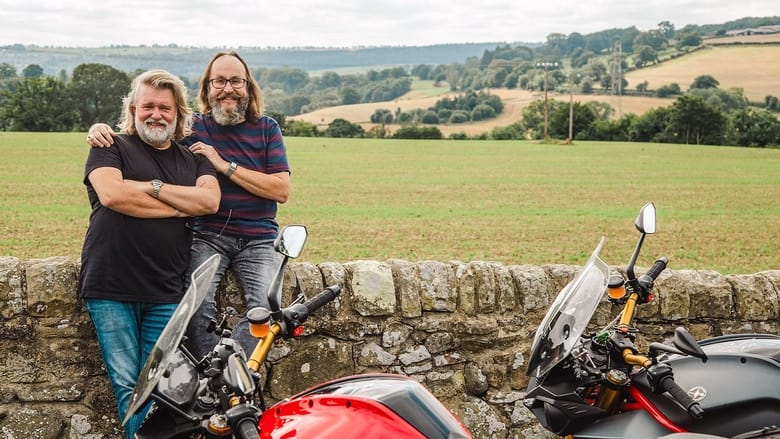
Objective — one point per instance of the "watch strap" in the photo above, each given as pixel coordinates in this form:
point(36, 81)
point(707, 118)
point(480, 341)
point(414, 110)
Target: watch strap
point(231, 169)
point(156, 186)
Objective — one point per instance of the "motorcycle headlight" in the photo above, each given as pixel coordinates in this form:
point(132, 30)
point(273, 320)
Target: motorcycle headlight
point(180, 380)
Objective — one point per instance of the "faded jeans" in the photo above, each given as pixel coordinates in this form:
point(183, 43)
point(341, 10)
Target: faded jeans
point(126, 333)
point(254, 262)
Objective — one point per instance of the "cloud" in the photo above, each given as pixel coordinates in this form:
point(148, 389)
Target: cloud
point(344, 23)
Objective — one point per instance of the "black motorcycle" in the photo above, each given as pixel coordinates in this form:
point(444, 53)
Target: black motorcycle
point(598, 385)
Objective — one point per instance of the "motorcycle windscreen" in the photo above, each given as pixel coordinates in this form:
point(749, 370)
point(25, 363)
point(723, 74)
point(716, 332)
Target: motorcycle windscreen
point(171, 335)
point(568, 316)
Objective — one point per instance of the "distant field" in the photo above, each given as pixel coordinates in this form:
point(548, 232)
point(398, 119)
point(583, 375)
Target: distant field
point(514, 103)
point(744, 39)
point(511, 202)
point(753, 68)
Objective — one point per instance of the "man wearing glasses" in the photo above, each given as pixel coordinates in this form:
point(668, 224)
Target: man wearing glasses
point(248, 152)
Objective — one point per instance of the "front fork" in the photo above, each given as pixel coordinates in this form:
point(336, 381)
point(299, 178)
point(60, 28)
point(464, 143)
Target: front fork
point(616, 380)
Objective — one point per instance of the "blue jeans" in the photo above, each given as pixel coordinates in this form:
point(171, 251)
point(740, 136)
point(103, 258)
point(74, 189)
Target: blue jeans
point(254, 262)
point(126, 333)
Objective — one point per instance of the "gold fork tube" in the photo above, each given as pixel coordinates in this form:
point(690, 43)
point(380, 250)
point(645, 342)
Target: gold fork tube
point(263, 347)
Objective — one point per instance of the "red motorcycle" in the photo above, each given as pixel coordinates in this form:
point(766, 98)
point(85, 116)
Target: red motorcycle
point(220, 395)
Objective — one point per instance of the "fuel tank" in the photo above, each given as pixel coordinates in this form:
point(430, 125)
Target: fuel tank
point(362, 406)
point(738, 386)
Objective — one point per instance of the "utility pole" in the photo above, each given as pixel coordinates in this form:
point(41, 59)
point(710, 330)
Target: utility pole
point(571, 106)
point(546, 66)
point(617, 74)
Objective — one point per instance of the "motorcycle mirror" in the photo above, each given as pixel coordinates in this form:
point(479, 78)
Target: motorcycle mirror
point(645, 221)
point(684, 341)
point(656, 347)
point(237, 375)
point(291, 240)
point(289, 243)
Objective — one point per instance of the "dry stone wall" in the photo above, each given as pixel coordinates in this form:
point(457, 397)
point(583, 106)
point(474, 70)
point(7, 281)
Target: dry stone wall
point(461, 329)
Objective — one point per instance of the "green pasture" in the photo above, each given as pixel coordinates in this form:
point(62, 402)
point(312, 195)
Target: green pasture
point(506, 201)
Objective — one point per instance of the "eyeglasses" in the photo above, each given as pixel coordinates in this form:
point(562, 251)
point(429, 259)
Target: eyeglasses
point(221, 83)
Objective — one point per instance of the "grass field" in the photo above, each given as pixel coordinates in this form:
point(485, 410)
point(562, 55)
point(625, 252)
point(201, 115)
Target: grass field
point(512, 202)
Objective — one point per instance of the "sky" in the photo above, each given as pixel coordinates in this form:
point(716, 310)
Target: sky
point(344, 23)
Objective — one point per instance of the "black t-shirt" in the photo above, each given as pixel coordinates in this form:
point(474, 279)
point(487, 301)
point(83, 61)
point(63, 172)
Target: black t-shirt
point(132, 259)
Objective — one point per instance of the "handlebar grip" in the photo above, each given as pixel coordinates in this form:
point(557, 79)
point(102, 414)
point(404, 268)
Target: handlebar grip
point(657, 268)
point(693, 407)
point(247, 429)
point(326, 296)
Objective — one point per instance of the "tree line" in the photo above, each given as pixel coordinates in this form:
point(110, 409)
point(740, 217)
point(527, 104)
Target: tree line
point(590, 63)
point(702, 115)
point(93, 92)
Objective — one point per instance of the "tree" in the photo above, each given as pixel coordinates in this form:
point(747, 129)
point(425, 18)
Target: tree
point(453, 75)
point(32, 71)
point(344, 128)
point(690, 40)
point(430, 117)
point(582, 117)
point(382, 115)
point(96, 92)
point(645, 55)
point(482, 112)
point(350, 96)
point(650, 126)
point(666, 28)
point(748, 127)
point(459, 116)
point(704, 81)
point(653, 39)
point(330, 79)
point(692, 120)
point(7, 71)
point(724, 100)
point(772, 103)
point(668, 90)
point(422, 71)
point(299, 128)
point(37, 104)
point(288, 79)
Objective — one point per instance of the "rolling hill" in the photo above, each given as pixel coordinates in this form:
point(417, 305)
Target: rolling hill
point(751, 67)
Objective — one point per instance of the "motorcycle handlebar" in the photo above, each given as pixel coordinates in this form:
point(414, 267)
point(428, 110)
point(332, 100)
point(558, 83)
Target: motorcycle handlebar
point(646, 280)
point(693, 407)
point(247, 429)
point(657, 268)
point(326, 296)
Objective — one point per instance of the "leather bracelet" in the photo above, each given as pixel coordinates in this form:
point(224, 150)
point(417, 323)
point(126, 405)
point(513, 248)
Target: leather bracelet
point(231, 169)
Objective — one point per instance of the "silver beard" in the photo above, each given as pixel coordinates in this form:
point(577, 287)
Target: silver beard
point(229, 117)
point(155, 136)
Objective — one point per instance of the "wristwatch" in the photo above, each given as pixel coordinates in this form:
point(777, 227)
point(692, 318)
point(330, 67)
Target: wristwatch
point(231, 169)
point(156, 186)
